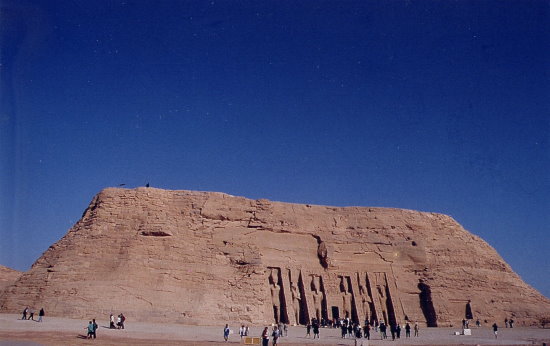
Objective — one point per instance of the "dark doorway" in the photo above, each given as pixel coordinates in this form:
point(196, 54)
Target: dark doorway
point(335, 313)
point(469, 314)
point(427, 305)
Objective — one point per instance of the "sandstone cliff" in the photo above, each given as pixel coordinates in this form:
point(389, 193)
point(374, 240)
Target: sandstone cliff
point(211, 258)
point(7, 277)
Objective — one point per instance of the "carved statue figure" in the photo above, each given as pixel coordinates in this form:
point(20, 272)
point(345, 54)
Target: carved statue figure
point(346, 298)
point(317, 299)
point(275, 297)
point(296, 298)
point(365, 300)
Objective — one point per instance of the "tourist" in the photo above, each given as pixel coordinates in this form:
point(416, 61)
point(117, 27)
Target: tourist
point(275, 334)
point(495, 329)
point(366, 331)
point(308, 330)
point(119, 321)
point(358, 332)
point(398, 331)
point(383, 330)
point(350, 329)
point(478, 324)
point(315, 329)
point(25, 313)
point(90, 329)
point(112, 322)
point(226, 332)
point(416, 328)
point(344, 330)
point(242, 331)
point(285, 329)
point(41, 314)
point(122, 319)
point(376, 326)
point(393, 330)
point(506, 322)
point(31, 314)
point(265, 337)
point(407, 330)
point(511, 323)
point(246, 330)
point(95, 327)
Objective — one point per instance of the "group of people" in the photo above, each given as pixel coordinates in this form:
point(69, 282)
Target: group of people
point(119, 321)
point(28, 314)
point(314, 324)
point(92, 325)
point(92, 328)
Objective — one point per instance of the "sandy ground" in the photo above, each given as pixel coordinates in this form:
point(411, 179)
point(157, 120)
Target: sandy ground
point(64, 331)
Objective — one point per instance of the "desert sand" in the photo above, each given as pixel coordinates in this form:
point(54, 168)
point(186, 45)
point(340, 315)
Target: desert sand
point(65, 331)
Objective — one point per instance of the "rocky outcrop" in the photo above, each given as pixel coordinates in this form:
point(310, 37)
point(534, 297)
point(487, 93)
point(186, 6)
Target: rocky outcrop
point(208, 258)
point(7, 277)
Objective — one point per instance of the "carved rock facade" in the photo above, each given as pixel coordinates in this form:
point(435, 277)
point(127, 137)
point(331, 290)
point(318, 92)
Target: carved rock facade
point(211, 258)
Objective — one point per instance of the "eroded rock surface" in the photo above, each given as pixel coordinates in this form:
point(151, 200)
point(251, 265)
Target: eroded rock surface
point(7, 277)
point(211, 258)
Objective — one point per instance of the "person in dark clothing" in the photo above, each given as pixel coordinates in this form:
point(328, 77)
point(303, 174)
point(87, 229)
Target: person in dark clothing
point(95, 328)
point(350, 329)
point(308, 329)
point(25, 313)
point(398, 331)
point(495, 329)
point(265, 337)
point(366, 331)
point(382, 328)
point(41, 314)
point(358, 332)
point(408, 330)
point(392, 331)
point(315, 329)
point(344, 330)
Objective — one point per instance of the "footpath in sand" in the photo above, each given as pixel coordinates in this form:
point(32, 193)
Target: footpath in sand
point(65, 331)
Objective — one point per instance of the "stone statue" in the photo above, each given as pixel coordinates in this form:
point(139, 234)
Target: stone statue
point(296, 298)
point(275, 297)
point(365, 300)
point(346, 299)
point(317, 299)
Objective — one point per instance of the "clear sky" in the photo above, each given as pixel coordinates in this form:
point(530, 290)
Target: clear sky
point(439, 106)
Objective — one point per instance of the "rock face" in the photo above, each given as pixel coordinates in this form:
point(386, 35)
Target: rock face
point(7, 277)
point(212, 258)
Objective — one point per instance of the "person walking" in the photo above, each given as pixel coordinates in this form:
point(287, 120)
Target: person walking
point(226, 332)
point(316, 329)
point(31, 314)
point(276, 334)
point(41, 314)
point(95, 328)
point(25, 310)
point(90, 329)
point(112, 321)
point(366, 331)
point(495, 329)
point(265, 337)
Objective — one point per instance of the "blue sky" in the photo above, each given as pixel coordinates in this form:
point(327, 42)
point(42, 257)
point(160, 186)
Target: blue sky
point(438, 106)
